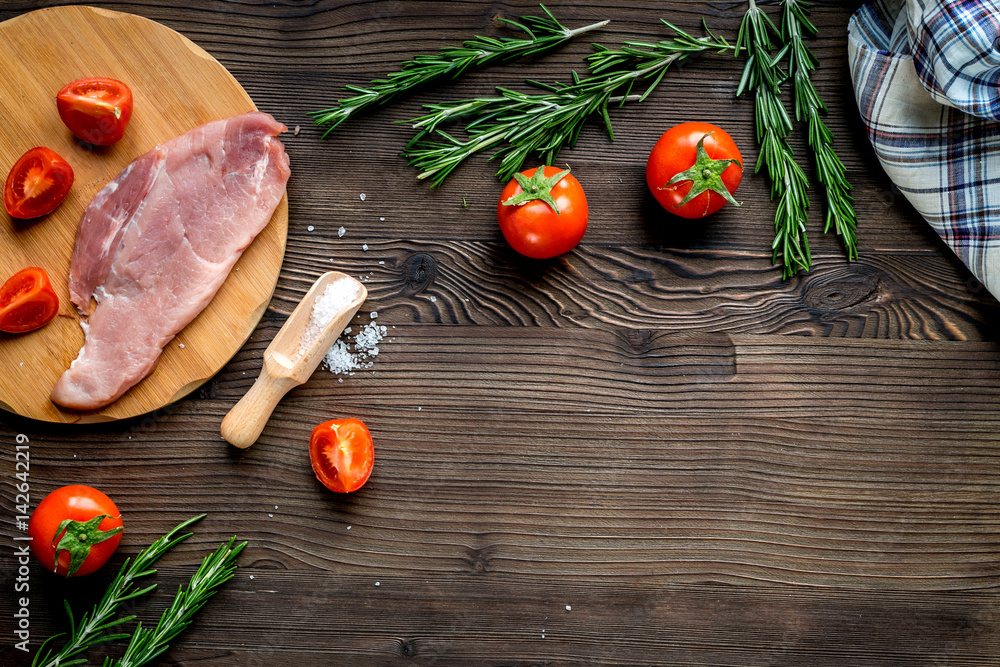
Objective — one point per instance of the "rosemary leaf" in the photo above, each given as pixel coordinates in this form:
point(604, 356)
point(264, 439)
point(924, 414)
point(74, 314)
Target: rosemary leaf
point(543, 33)
point(762, 76)
point(830, 170)
point(518, 125)
point(89, 629)
point(148, 644)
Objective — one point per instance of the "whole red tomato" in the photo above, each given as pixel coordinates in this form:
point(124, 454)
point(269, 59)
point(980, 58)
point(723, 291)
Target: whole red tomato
point(543, 212)
point(97, 109)
point(37, 183)
point(693, 170)
point(69, 522)
point(342, 454)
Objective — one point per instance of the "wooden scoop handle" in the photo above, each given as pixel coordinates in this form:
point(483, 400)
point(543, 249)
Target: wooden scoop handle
point(244, 423)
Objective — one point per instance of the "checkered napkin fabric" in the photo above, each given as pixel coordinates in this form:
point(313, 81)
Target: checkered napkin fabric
point(927, 81)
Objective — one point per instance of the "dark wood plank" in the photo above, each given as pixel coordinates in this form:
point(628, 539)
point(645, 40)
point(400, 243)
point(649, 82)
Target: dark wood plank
point(707, 464)
point(882, 296)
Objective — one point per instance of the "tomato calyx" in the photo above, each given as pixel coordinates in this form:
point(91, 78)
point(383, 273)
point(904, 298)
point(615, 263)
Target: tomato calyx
point(78, 537)
point(705, 175)
point(536, 188)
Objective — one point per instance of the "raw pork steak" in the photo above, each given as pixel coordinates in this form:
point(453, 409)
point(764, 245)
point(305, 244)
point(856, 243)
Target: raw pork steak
point(156, 244)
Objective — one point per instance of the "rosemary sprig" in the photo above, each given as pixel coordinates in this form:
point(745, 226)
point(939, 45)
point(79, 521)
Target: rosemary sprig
point(763, 77)
point(830, 170)
point(541, 124)
point(148, 644)
point(93, 625)
point(543, 33)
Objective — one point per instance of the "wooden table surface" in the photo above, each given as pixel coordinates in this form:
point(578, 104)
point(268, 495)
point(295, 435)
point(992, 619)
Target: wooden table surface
point(650, 451)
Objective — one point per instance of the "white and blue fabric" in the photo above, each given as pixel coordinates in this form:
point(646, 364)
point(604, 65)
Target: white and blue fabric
point(927, 81)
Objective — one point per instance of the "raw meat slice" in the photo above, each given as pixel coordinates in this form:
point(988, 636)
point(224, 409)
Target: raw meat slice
point(156, 244)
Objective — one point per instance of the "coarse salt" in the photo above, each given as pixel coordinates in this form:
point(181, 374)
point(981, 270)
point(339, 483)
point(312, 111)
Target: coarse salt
point(341, 360)
point(364, 246)
point(295, 133)
point(340, 233)
point(362, 196)
point(310, 228)
point(337, 296)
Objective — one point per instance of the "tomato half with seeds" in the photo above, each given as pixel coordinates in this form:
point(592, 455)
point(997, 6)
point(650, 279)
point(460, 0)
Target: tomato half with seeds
point(694, 169)
point(342, 454)
point(27, 301)
point(37, 183)
point(543, 212)
point(75, 530)
point(96, 110)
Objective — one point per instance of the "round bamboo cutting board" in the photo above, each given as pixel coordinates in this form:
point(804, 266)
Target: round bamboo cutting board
point(176, 86)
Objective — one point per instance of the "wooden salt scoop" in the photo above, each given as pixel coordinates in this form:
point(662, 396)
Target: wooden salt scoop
point(284, 368)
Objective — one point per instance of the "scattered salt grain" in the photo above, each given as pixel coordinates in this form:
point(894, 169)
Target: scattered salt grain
point(251, 576)
point(340, 233)
point(341, 360)
point(374, 314)
point(270, 516)
point(364, 246)
point(362, 196)
point(433, 299)
point(381, 219)
point(310, 228)
point(338, 295)
point(381, 261)
point(275, 507)
point(295, 133)
point(569, 608)
point(377, 583)
point(419, 408)
point(181, 346)
point(348, 528)
point(22, 363)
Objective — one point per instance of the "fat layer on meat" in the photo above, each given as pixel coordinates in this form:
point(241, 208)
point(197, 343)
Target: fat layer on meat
point(158, 241)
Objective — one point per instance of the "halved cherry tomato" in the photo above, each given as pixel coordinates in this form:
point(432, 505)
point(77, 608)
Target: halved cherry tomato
point(543, 214)
point(342, 454)
point(77, 524)
point(97, 110)
point(37, 183)
point(27, 301)
point(694, 169)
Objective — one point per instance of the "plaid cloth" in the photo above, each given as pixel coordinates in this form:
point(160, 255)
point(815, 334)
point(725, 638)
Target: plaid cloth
point(921, 69)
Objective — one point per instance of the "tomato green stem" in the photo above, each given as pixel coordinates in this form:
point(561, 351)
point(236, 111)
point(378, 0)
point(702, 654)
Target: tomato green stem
point(536, 188)
point(705, 175)
point(77, 538)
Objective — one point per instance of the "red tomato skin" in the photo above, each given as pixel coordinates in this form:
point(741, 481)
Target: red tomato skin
point(38, 167)
point(325, 444)
point(97, 110)
point(534, 229)
point(675, 152)
point(27, 301)
point(80, 503)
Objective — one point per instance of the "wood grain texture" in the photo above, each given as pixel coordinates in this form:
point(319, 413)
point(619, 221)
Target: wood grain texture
point(708, 465)
point(177, 86)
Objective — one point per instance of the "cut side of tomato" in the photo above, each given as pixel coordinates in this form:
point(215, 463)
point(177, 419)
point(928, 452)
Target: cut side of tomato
point(27, 301)
point(96, 110)
point(342, 454)
point(37, 183)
